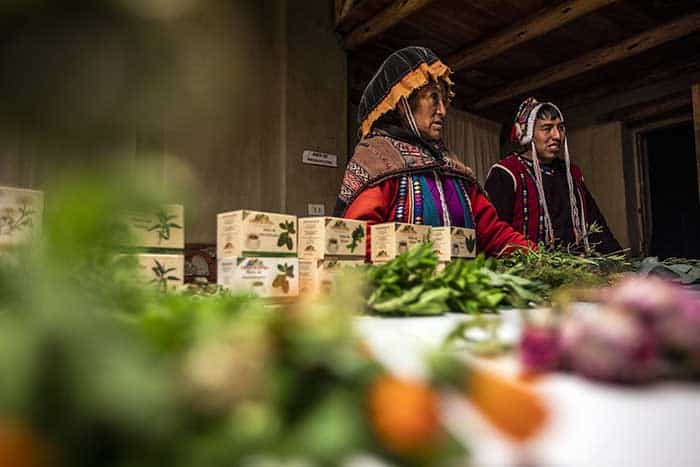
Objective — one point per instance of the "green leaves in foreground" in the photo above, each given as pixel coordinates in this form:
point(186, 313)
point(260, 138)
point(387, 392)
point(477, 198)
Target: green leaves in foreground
point(477, 286)
point(406, 285)
point(410, 285)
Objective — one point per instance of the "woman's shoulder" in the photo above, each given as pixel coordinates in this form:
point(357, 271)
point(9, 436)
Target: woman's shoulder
point(376, 153)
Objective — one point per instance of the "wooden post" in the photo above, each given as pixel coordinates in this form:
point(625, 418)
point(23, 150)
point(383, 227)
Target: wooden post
point(696, 122)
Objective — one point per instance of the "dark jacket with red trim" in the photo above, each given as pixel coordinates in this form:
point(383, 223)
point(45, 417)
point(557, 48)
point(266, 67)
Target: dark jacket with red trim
point(511, 187)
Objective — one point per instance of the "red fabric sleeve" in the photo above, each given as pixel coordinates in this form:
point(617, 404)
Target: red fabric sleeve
point(375, 205)
point(494, 236)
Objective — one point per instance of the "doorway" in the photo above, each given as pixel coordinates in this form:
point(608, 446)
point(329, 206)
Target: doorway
point(673, 208)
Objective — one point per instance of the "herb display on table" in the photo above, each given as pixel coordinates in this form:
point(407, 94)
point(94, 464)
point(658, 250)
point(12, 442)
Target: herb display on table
point(99, 370)
point(476, 286)
point(409, 285)
point(406, 284)
point(684, 270)
point(560, 267)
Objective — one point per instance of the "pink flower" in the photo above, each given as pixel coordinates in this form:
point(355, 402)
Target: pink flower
point(540, 348)
point(651, 298)
point(680, 331)
point(610, 346)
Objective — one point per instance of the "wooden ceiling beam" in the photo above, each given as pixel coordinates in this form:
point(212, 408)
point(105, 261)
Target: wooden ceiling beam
point(688, 66)
point(627, 48)
point(652, 108)
point(545, 20)
point(349, 11)
point(387, 18)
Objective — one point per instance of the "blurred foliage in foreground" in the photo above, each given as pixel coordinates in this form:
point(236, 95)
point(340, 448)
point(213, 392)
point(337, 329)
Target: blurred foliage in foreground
point(97, 370)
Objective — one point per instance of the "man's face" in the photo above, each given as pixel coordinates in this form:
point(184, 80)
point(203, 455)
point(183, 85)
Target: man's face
point(549, 137)
point(429, 110)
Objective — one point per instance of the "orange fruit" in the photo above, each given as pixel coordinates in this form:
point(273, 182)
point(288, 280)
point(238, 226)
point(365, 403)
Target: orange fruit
point(19, 447)
point(404, 415)
point(512, 406)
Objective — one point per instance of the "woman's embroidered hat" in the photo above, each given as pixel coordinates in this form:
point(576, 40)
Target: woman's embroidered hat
point(524, 125)
point(401, 73)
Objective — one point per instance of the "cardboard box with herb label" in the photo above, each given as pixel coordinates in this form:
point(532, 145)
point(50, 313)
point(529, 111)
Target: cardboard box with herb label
point(264, 276)
point(166, 272)
point(21, 212)
point(252, 233)
point(318, 276)
point(322, 237)
point(454, 242)
point(391, 239)
point(162, 228)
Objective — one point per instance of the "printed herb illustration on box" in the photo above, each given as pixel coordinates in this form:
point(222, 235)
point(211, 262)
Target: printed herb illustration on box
point(357, 235)
point(286, 235)
point(280, 280)
point(458, 238)
point(162, 277)
point(251, 264)
point(257, 219)
point(163, 225)
point(471, 243)
point(17, 219)
point(337, 224)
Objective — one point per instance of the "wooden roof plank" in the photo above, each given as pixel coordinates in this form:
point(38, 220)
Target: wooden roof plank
point(536, 25)
point(390, 16)
point(667, 32)
point(650, 108)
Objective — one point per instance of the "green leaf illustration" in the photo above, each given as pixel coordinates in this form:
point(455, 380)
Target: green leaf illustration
point(471, 243)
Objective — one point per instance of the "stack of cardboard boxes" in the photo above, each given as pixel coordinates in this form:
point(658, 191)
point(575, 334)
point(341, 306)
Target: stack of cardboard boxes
point(326, 246)
point(257, 251)
point(278, 255)
point(158, 239)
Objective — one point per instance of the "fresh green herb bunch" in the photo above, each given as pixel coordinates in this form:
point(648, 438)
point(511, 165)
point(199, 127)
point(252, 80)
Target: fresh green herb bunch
point(406, 285)
point(560, 267)
point(477, 286)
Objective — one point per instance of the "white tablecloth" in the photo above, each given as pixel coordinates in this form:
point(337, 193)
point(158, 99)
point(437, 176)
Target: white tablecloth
point(591, 424)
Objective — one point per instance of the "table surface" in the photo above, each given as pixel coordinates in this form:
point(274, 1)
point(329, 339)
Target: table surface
point(591, 424)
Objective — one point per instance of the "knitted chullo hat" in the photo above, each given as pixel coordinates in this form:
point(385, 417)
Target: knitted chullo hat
point(523, 133)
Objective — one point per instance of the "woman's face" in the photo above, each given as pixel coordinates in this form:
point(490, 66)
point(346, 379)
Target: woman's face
point(429, 106)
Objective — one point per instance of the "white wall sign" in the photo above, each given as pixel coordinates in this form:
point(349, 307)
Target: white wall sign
point(319, 158)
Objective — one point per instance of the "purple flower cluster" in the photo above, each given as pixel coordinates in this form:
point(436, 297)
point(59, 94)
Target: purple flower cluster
point(643, 329)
